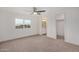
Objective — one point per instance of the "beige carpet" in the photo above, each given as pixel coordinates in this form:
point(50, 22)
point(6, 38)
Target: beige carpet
point(37, 44)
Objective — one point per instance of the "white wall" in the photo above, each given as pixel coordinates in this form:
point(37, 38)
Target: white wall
point(60, 16)
point(51, 25)
point(7, 26)
point(72, 25)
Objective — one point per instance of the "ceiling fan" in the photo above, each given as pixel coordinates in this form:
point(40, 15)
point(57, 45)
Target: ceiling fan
point(38, 12)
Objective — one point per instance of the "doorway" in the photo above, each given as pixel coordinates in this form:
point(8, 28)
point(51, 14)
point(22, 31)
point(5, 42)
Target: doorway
point(60, 26)
point(44, 25)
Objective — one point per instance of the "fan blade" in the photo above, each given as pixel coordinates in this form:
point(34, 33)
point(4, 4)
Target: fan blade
point(41, 11)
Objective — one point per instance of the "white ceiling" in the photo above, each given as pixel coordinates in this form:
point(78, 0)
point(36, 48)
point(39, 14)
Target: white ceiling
point(17, 9)
point(23, 10)
point(29, 10)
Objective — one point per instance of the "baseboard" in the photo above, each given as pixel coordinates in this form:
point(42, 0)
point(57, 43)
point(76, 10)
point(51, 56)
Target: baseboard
point(71, 42)
point(51, 37)
point(18, 38)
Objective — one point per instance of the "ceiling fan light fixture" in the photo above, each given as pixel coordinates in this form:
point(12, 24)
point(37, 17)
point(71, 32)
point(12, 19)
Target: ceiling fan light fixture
point(35, 13)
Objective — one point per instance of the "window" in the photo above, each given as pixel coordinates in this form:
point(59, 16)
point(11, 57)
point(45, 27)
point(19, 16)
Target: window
point(23, 23)
point(27, 23)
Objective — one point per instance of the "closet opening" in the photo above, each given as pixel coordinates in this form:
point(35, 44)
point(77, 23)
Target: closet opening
point(60, 26)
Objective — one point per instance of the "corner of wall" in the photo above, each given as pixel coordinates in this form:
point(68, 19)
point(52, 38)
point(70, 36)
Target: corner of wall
point(51, 36)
